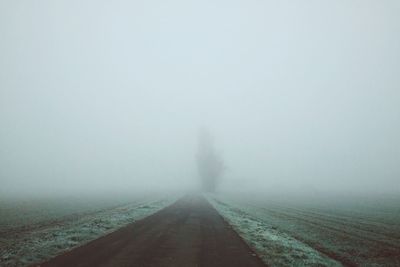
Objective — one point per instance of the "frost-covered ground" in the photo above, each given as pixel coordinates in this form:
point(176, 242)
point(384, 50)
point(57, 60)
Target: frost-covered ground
point(32, 232)
point(325, 233)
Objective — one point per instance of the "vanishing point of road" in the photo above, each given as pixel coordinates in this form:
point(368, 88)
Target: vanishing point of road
point(188, 233)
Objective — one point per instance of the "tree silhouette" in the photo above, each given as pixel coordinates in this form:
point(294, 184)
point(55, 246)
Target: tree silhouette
point(209, 163)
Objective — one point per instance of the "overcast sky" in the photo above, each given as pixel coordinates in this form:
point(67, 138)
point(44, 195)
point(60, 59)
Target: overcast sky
point(299, 95)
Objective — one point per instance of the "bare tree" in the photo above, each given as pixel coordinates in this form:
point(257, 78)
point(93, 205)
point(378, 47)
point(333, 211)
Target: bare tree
point(210, 164)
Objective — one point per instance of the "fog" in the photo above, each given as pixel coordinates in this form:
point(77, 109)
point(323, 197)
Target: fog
point(299, 96)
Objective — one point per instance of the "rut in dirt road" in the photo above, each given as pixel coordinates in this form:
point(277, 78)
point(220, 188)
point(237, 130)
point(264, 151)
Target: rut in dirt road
point(188, 233)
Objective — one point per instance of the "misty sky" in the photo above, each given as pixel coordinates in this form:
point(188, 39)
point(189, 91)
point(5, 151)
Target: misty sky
point(100, 95)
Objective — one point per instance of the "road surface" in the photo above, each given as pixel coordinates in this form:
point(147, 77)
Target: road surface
point(190, 232)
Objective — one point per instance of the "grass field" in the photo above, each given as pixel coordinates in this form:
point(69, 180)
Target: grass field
point(303, 231)
point(331, 231)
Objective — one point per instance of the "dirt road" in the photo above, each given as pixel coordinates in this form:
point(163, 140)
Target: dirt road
point(188, 233)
